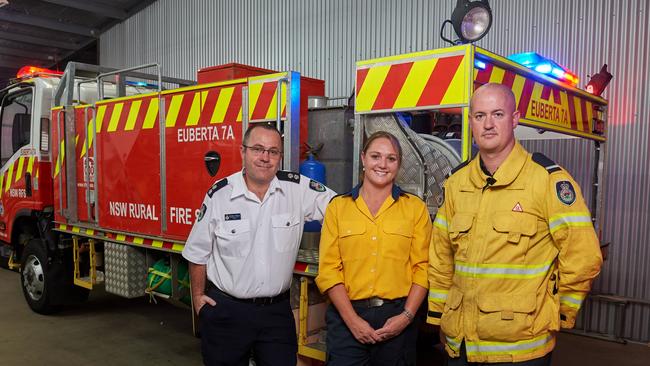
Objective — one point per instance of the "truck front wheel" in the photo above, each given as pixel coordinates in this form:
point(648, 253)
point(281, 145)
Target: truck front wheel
point(35, 278)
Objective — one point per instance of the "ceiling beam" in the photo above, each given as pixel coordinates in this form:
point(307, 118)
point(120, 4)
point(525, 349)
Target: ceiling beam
point(37, 40)
point(46, 56)
point(93, 7)
point(18, 62)
point(47, 23)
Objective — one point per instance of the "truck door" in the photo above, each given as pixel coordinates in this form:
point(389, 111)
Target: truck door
point(16, 157)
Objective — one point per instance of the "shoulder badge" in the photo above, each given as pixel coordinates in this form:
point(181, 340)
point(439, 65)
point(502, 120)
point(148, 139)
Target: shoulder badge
point(316, 186)
point(217, 186)
point(459, 167)
point(547, 163)
point(201, 212)
point(288, 176)
point(565, 192)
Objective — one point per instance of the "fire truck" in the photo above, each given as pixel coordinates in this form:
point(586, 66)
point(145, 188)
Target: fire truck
point(103, 170)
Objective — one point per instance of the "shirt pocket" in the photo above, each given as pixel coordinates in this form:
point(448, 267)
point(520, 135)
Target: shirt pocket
point(506, 317)
point(286, 232)
point(234, 238)
point(398, 236)
point(351, 240)
point(451, 322)
point(460, 229)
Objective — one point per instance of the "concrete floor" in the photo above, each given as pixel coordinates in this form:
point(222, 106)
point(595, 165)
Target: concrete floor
point(109, 330)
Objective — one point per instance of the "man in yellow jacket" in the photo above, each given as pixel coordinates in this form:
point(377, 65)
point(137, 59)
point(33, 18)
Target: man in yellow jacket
point(513, 250)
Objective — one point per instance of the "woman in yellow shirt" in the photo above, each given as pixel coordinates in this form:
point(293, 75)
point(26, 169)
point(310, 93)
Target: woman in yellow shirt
point(373, 263)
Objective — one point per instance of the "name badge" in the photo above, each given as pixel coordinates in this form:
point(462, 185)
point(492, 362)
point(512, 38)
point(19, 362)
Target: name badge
point(232, 217)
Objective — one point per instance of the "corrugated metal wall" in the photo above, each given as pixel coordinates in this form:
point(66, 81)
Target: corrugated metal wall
point(323, 39)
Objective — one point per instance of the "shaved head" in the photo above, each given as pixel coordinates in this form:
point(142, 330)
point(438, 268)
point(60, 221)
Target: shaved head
point(505, 92)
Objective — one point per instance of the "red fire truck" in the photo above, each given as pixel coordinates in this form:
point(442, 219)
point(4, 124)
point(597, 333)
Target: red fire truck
point(102, 169)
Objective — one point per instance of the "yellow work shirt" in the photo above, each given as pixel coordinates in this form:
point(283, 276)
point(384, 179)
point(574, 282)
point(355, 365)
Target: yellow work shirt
point(381, 255)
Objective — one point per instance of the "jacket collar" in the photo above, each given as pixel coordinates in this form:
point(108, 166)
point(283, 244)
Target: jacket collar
point(507, 172)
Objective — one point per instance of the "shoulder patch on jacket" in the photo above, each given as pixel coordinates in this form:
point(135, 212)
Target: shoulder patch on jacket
point(288, 176)
point(217, 186)
point(459, 167)
point(547, 163)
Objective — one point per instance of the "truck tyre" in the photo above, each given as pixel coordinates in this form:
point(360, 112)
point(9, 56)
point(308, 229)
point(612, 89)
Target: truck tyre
point(36, 278)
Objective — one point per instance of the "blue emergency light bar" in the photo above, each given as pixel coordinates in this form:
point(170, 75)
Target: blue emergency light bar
point(141, 84)
point(546, 66)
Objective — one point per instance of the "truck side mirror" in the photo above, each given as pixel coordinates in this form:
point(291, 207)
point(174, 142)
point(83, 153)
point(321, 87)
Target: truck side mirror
point(212, 162)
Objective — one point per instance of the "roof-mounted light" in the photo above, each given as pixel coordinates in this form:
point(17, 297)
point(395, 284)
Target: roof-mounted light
point(471, 21)
point(31, 71)
point(546, 66)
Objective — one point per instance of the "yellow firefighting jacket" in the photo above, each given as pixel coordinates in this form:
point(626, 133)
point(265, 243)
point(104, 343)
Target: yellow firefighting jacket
point(512, 258)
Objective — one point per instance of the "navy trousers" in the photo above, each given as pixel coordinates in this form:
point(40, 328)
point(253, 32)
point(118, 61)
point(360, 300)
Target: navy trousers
point(344, 350)
point(232, 330)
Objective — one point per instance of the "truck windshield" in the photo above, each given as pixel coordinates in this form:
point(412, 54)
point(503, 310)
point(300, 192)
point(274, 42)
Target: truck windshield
point(16, 117)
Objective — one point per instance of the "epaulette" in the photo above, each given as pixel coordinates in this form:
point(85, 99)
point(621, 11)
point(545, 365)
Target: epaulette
point(288, 176)
point(217, 186)
point(459, 167)
point(547, 163)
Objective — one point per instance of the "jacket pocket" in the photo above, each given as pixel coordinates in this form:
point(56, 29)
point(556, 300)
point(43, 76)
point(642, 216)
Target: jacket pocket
point(396, 242)
point(506, 317)
point(460, 234)
point(233, 238)
point(286, 232)
point(351, 237)
point(517, 226)
point(451, 322)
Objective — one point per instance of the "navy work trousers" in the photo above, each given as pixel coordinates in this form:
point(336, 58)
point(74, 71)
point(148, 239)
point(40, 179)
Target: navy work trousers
point(232, 330)
point(344, 350)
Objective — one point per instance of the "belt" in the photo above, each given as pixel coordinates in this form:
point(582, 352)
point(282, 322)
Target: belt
point(374, 302)
point(261, 301)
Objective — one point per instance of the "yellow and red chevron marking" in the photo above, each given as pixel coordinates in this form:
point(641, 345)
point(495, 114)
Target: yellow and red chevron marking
point(263, 97)
point(542, 104)
point(121, 238)
point(186, 108)
point(416, 81)
point(182, 109)
point(15, 171)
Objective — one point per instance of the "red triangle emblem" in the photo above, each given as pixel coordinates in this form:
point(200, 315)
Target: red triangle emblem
point(517, 208)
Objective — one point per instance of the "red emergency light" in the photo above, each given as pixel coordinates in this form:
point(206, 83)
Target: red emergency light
point(30, 71)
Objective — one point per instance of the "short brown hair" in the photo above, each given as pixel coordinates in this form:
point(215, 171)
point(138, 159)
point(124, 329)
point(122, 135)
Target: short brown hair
point(252, 126)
